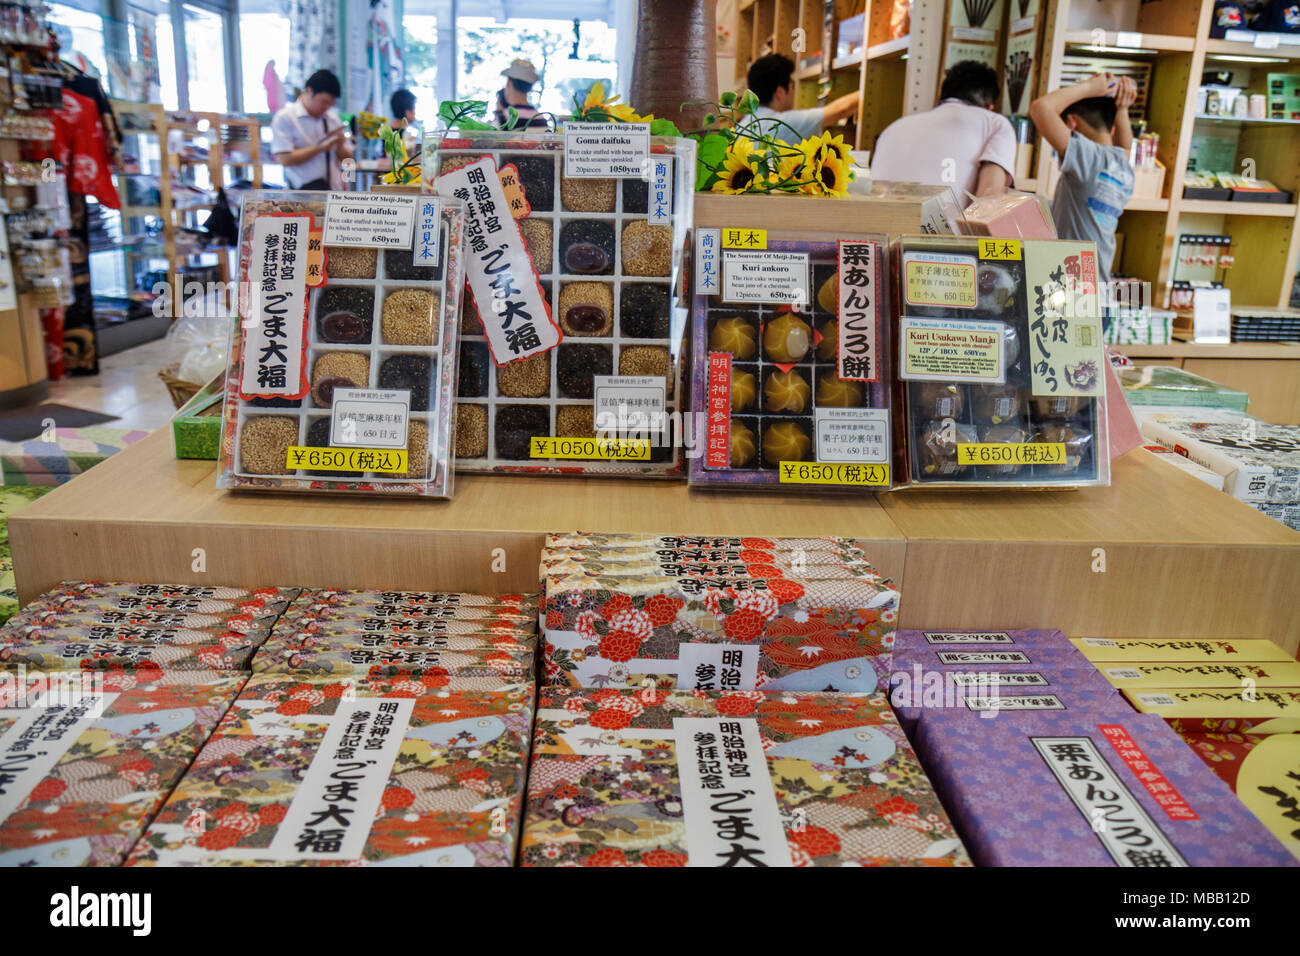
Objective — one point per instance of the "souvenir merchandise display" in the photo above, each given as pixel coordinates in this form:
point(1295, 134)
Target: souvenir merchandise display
point(791, 361)
point(434, 771)
point(111, 746)
point(1260, 463)
point(343, 359)
point(1199, 472)
point(999, 362)
point(1142, 674)
point(642, 778)
point(742, 626)
point(1028, 790)
point(575, 313)
point(1205, 703)
point(1166, 386)
point(1098, 649)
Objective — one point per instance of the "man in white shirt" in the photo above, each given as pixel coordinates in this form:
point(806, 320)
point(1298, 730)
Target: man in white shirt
point(770, 79)
point(309, 139)
point(963, 142)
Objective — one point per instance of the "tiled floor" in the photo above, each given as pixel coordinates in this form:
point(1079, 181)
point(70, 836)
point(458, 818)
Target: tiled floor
point(127, 386)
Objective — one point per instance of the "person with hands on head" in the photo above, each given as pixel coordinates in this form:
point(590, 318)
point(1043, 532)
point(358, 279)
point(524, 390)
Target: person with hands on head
point(308, 139)
point(1088, 126)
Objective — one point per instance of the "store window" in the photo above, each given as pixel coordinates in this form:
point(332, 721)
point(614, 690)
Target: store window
point(81, 37)
point(264, 52)
point(205, 58)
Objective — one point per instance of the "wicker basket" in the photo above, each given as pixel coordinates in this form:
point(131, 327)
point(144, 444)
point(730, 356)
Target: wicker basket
point(181, 390)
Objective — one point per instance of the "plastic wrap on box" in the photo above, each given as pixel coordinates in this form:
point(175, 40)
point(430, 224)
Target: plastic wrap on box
point(592, 315)
point(1258, 462)
point(777, 633)
point(1012, 215)
point(317, 771)
point(1087, 790)
point(635, 778)
point(364, 322)
point(1000, 363)
point(1167, 385)
point(1098, 649)
point(781, 386)
point(111, 747)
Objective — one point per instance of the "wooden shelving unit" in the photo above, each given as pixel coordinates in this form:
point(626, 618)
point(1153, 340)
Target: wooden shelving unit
point(1174, 35)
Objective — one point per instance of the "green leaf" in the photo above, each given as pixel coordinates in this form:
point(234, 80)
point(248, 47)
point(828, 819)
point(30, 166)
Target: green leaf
point(727, 99)
point(710, 119)
point(749, 102)
point(709, 157)
point(512, 117)
point(664, 127)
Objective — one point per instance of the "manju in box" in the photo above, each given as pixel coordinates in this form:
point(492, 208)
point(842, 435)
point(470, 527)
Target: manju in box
point(320, 771)
point(713, 779)
point(86, 761)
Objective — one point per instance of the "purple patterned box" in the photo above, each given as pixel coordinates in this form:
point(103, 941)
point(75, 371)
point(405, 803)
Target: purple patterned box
point(998, 692)
point(1087, 790)
point(991, 649)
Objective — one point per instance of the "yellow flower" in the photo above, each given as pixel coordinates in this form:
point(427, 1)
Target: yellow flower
point(595, 96)
point(830, 144)
point(830, 177)
point(596, 102)
point(737, 174)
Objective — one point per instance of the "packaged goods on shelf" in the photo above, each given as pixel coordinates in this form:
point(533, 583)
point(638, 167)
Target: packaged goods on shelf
point(592, 319)
point(961, 649)
point(824, 628)
point(1000, 693)
point(484, 669)
point(111, 747)
point(1199, 472)
point(1259, 462)
point(13, 498)
point(1012, 215)
point(184, 598)
point(1100, 649)
point(342, 361)
point(435, 772)
point(791, 339)
point(1288, 514)
point(196, 426)
point(1241, 675)
point(1260, 770)
point(999, 359)
point(1141, 326)
point(232, 654)
point(1203, 703)
point(1166, 385)
point(676, 542)
point(1030, 791)
point(823, 780)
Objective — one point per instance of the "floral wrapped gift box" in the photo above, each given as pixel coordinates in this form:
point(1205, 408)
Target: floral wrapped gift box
point(507, 665)
point(642, 778)
point(328, 604)
point(108, 754)
point(231, 654)
point(402, 771)
point(230, 603)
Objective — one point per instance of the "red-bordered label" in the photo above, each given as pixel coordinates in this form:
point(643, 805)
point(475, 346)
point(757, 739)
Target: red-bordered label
point(273, 305)
point(1170, 800)
point(718, 454)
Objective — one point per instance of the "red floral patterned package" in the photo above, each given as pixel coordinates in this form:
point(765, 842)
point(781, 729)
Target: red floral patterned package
point(111, 746)
point(706, 778)
point(398, 771)
point(231, 653)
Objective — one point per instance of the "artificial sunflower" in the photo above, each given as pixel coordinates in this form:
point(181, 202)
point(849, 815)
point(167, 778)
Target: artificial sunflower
point(597, 109)
point(831, 177)
point(737, 174)
point(830, 144)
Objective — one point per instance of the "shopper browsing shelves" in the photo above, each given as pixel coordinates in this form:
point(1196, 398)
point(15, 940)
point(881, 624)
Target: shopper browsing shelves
point(963, 142)
point(771, 80)
point(309, 139)
point(1088, 126)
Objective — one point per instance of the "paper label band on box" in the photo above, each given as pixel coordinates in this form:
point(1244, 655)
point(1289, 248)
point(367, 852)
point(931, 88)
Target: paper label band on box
point(708, 262)
point(812, 473)
point(939, 279)
point(1148, 774)
point(372, 220)
point(274, 314)
point(605, 150)
point(1039, 702)
point(705, 666)
point(951, 350)
point(516, 319)
point(45, 730)
point(332, 811)
point(1123, 673)
point(427, 250)
point(983, 657)
point(997, 679)
point(370, 417)
point(632, 405)
point(728, 802)
point(388, 461)
point(718, 453)
point(858, 332)
point(766, 277)
point(1065, 336)
point(967, 637)
point(852, 435)
point(659, 201)
point(1108, 806)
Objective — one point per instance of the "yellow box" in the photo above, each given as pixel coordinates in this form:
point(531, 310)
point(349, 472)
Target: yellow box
point(1198, 703)
point(1141, 649)
point(1143, 674)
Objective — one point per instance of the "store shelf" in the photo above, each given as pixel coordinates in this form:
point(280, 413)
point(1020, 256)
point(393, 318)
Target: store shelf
point(1156, 42)
point(136, 211)
point(1147, 205)
point(1236, 350)
point(1244, 120)
point(809, 72)
point(1268, 371)
point(1234, 48)
point(1182, 560)
point(1216, 207)
point(851, 61)
point(890, 49)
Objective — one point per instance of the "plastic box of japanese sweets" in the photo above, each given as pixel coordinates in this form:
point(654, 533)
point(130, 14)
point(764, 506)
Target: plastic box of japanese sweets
point(575, 306)
point(998, 363)
point(793, 361)
point(343, 358)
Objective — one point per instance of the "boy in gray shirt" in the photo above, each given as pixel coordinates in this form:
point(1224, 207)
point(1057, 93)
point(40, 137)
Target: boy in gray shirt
point(1088, 126)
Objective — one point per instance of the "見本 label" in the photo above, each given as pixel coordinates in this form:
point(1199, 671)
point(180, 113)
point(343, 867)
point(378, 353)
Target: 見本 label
point(605, 150)
point(708, 271)
point(1065, 342)
point(427, 250)
point(946, 350)
point(855, 435)
point(44, 731)
point(703, 666)
point(372, 220)
point(274, 314)
point(858, 332)
point(728, 802)
point(509, 300)
point(659, 201)
point(331, 814)
point(765, 277)
point(1107, 805)
point(370, 418)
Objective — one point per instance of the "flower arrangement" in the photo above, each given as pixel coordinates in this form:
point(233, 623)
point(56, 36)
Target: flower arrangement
point(596, 107)
point(405, 170)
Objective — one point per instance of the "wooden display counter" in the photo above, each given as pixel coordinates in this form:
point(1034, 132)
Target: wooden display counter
point(1269, 372)
point(1181, 559)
